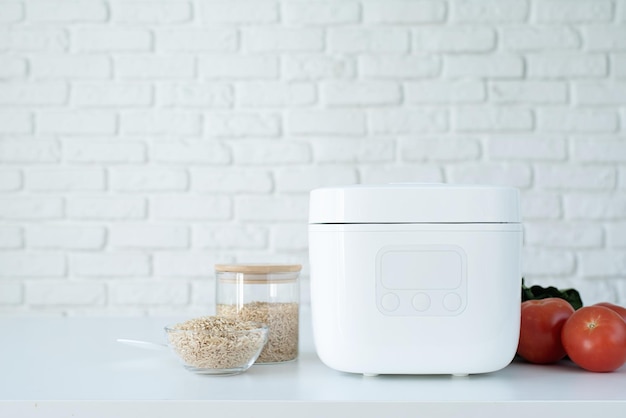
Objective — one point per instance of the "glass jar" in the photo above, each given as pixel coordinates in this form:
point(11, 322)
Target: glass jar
point(266, 293)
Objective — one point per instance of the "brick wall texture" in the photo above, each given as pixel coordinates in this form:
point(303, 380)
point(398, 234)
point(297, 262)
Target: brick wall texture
point(143, 141)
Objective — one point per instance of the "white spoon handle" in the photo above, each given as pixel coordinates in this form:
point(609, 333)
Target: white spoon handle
point(142, 344)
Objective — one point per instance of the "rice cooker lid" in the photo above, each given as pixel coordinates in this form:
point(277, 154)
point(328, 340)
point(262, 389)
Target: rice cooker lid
point(414, 203)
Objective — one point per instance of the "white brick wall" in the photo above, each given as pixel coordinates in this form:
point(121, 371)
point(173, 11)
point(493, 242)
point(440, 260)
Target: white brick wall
point(143, 141)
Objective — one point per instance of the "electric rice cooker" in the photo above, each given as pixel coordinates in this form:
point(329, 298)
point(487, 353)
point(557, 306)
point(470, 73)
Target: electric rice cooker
point(415, 278)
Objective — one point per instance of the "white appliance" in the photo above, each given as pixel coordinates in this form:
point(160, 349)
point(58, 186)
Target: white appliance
point(415, 278)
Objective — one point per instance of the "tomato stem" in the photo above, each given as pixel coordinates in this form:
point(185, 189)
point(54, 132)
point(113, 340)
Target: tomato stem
point(593, 323)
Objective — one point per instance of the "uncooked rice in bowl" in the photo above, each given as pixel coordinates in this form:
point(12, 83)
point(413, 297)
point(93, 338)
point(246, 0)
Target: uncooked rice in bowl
point(214, 342)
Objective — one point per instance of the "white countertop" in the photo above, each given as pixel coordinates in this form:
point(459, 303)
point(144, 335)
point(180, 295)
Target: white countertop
point(61, 367)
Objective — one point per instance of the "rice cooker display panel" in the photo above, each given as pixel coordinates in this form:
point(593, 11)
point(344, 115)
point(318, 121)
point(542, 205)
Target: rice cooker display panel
point(421, 280)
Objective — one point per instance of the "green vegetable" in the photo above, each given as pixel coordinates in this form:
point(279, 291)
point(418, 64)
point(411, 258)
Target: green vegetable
point(539, 292)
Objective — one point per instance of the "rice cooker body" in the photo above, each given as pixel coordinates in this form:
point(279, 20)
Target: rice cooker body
point(415, 297)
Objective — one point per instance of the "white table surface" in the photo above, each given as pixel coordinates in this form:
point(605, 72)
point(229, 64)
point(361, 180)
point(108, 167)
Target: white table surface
point(73, 367)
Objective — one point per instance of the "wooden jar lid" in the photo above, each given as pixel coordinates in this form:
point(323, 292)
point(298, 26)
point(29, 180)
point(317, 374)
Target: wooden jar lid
point(258, 268)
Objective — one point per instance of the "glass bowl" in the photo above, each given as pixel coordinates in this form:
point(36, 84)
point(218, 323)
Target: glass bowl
point(217, 345)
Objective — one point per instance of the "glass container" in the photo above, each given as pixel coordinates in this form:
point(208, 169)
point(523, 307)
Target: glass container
point(265, 293)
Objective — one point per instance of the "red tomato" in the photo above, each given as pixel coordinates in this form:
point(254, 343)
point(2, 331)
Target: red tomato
point(620, 310)
point(594, 338)
point(540, 330)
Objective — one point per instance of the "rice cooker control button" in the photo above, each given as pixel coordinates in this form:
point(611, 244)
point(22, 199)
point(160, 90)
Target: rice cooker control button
point(421, 302)
point(390, 302)
point(452, 301)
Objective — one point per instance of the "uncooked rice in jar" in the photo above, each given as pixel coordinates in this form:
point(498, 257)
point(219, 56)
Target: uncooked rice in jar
point(282, 321)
